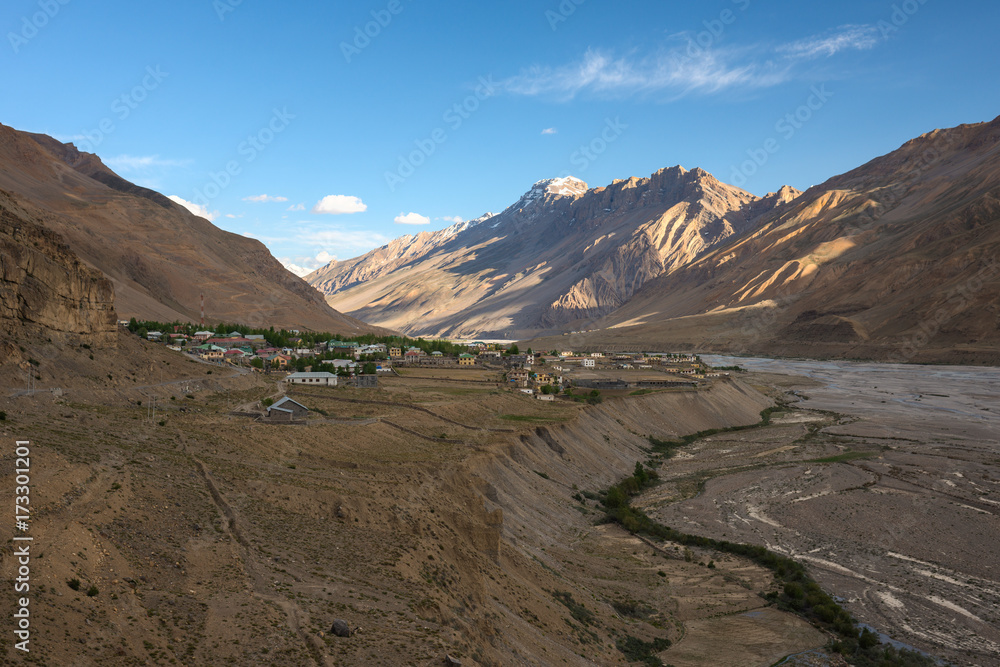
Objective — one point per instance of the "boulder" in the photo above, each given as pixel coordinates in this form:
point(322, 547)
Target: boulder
point(341, 628)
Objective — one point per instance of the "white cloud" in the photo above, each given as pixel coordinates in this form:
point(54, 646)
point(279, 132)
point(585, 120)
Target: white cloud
point(230, 215)
point(198, 210)
point(264, 199)
point(550, 130)
point(300, 271)
point(683, 68)
point(411, 219)
point(603, 73)
point(303, 266)
point(341, 242)
point(848, 37)
point(297, 207)
point(142, 162)
point(339, 205)
point(453, 218)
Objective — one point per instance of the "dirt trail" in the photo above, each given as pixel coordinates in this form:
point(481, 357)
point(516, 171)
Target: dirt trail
point(258, 584)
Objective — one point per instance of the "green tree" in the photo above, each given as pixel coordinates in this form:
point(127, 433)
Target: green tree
point(369, 369)
point(513, 349)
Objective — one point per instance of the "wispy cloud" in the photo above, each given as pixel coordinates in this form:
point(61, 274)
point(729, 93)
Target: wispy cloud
point(142, 162)
point(452, 218)
point(339, 205)
point(844, 38)
point(603, 73)
point(411, 218)
point(303, 266)
point(196, 209)
point(264, 199)
point(341, 242)
point(550, 130)
point(297, 207)
point(680, 70)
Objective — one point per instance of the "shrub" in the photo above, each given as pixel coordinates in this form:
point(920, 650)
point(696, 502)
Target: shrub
point(74, 584)
point(92, 591)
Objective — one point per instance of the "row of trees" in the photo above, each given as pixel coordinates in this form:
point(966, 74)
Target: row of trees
point(282, 337)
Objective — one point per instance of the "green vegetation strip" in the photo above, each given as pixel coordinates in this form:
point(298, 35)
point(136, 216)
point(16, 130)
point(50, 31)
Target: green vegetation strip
point(843, 458)
point(799, 593)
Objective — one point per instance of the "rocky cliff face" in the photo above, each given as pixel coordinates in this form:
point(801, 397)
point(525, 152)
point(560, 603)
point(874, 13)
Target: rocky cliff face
point(561, 253)
point(45, 289)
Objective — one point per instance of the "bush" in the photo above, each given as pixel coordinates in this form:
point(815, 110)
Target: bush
point(74, 584)
point(92, 591)
point(636, 650)
point(3, 416)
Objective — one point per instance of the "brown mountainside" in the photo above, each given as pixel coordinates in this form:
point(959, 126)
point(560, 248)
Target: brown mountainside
point(561, 253)
point(45, 291)
point(898, 259)
point(159, 257)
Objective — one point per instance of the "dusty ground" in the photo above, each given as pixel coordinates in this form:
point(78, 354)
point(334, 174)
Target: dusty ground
point(440, 520)
point(884, 480)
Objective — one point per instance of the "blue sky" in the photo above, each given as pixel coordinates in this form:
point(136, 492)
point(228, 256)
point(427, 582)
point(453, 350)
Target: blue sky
point(288, 123)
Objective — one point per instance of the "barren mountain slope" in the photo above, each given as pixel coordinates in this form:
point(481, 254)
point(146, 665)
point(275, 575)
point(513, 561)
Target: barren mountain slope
point(560, 253)
point(898, 259)
point(159, 256)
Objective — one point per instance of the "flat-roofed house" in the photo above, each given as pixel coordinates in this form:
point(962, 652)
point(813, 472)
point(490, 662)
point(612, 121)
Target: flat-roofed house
point(316, 379)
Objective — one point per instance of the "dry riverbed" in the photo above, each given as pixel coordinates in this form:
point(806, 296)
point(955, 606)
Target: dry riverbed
point(883, 480)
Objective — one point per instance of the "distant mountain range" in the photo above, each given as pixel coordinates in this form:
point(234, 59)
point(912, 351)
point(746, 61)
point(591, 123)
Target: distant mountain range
point(561, 253)
point(158, 257)
point(898, 260)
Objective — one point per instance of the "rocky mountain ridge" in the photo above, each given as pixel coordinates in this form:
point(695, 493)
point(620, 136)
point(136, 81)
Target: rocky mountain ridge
point(560, 253)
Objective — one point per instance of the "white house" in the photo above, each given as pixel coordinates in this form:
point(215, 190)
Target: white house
point(316, 379)
point(588, 362)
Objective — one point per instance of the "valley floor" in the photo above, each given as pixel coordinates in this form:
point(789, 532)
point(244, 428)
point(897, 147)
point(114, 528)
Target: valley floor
point(445, 516)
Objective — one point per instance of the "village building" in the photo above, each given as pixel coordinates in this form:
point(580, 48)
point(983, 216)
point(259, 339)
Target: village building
point(287, 409)
point(365, 381)
point(520, 360)
point(395, 353)
point(588, 363)
point(341, 364)
point(322, 379)
point(466, 359)
point(519, 377)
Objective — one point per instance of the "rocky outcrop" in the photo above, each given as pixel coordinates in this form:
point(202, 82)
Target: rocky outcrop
point(44, 287)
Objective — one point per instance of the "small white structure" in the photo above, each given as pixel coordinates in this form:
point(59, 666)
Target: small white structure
point(322, 379)
point(588, 362)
